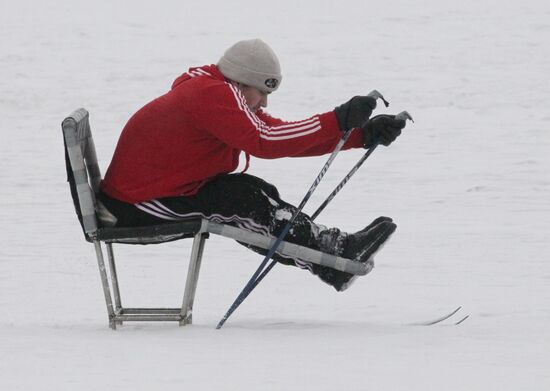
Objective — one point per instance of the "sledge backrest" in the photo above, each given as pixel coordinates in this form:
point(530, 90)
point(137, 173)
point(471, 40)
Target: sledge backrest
point(83, 172)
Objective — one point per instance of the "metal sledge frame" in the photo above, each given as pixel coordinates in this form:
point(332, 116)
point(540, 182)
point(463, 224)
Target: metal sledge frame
point(84, 176)
point(118, 314)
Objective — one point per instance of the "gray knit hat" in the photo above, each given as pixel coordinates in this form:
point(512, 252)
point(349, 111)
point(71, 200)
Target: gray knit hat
point(252, 62)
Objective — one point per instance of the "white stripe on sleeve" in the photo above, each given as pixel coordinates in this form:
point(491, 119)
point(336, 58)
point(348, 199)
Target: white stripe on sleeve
point(280, 132)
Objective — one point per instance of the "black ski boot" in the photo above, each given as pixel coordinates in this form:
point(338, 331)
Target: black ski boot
point(375, 222)
point(363, 245)
point(360, 247)
point(333, 241)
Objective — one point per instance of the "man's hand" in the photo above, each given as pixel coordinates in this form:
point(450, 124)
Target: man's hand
point(355, 112)
point(382, 129)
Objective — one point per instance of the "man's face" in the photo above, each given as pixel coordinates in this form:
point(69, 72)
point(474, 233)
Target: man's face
point(254, 97)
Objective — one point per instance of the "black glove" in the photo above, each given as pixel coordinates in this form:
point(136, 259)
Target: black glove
point(382, 129)
point(355, 112)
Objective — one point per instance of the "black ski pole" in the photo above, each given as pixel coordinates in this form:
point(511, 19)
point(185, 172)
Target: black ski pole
point(251, 284)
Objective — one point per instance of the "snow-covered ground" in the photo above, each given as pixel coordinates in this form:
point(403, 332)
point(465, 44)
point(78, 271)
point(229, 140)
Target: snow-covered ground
point(468, 185)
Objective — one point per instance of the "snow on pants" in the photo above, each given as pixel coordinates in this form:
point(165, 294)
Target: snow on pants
point(240, 200)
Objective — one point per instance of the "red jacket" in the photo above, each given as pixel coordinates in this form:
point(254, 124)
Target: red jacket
point(176, 143)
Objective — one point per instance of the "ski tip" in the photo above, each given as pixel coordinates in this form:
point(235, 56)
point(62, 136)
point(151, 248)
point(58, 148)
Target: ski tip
point(462, 320)
point(438, 320)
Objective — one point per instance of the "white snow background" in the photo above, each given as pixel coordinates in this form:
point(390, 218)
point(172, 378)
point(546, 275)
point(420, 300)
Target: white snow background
point(468, 185)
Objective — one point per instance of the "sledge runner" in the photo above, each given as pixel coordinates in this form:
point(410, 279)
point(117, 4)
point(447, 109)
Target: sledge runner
point(176, 156)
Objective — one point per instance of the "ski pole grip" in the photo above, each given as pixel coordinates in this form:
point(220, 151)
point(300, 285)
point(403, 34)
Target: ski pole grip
point(404, 115)
point(377, 95)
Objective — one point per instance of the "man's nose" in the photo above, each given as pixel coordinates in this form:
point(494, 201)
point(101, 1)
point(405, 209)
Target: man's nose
point(263, 101)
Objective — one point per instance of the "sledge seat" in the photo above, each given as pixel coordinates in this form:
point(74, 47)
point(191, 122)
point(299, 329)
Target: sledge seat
point(97, 222)
point(153, 234)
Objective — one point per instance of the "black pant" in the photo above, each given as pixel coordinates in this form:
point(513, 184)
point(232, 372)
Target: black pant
point(241, 200)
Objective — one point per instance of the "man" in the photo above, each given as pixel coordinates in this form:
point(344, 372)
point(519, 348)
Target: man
point(175, 156)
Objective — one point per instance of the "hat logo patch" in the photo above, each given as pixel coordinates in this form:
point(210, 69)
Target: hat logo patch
point(271, 83)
